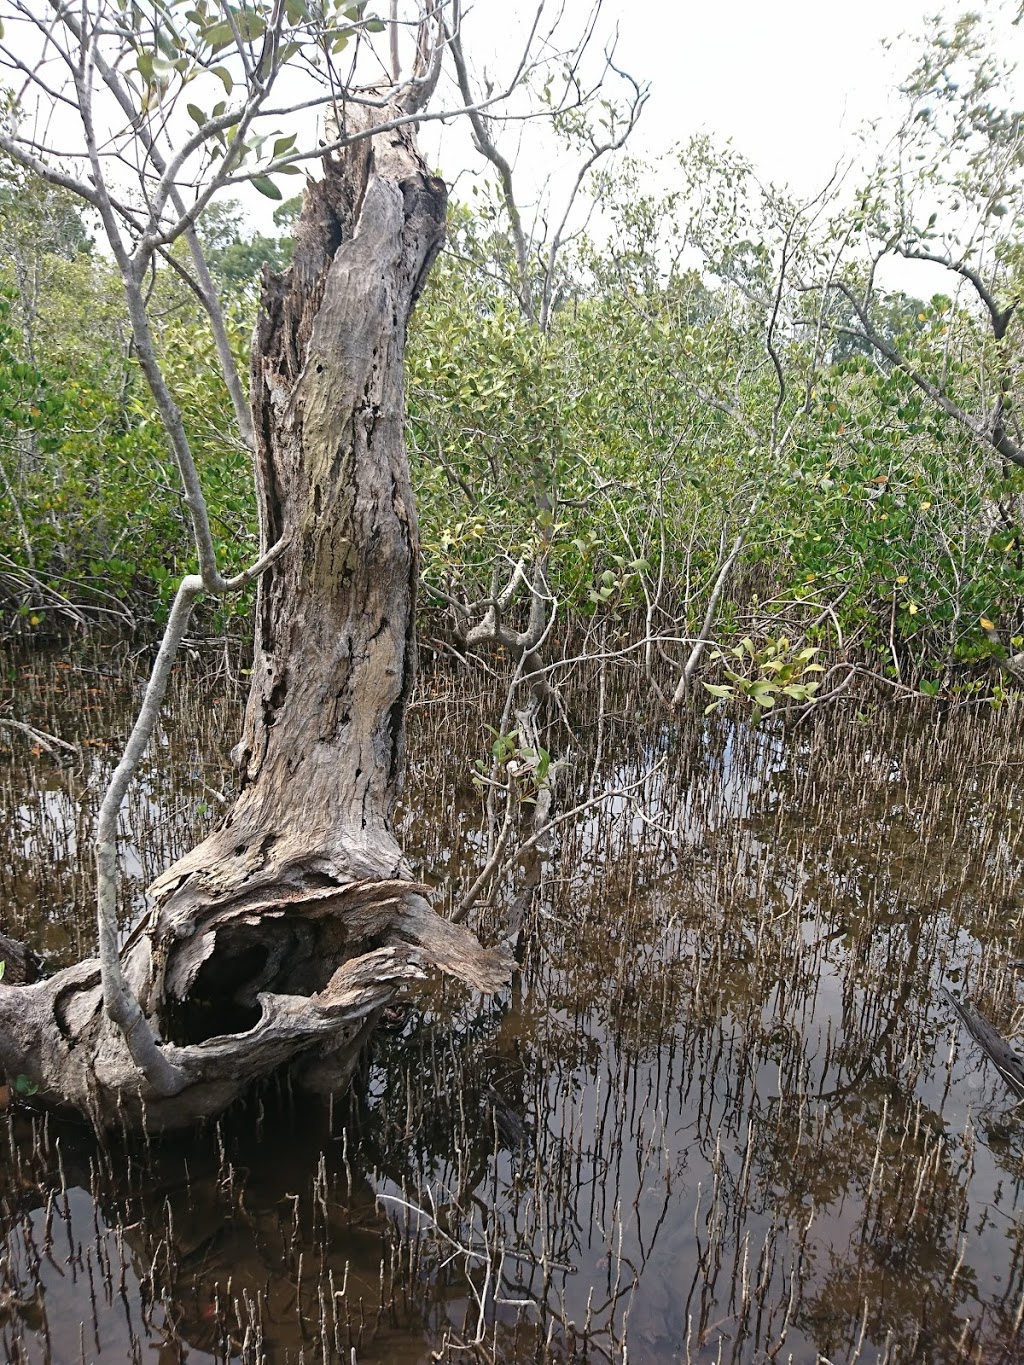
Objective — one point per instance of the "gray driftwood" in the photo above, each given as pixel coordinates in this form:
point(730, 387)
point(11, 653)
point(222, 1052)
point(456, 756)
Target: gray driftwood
point(279, 938)
point(1007, 1062)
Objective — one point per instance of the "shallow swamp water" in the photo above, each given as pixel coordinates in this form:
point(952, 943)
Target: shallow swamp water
point(726, 1111)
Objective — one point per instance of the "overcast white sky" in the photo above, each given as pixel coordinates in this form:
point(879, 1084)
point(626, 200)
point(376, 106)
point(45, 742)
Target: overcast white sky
point(791, 82)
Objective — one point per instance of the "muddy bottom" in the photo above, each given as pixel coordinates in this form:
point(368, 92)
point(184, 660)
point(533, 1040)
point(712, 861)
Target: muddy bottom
point(725, 1112)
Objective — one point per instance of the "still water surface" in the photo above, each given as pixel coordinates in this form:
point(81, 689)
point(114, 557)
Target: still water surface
point(724, 1112)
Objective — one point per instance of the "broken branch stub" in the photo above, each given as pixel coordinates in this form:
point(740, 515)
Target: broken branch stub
point(280, 936)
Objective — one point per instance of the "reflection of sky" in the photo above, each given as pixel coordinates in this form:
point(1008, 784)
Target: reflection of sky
point(83, 1321)
point(46, 873)
point(790, 1048)
point(736, 991)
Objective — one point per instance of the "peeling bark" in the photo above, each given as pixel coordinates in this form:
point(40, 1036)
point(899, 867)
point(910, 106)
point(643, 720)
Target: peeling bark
point(279, 937)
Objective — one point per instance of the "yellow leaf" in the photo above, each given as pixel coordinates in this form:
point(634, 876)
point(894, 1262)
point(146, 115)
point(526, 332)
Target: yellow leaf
point(986, 624)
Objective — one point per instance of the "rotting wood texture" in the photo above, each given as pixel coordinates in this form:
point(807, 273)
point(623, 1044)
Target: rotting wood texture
point(279, 938)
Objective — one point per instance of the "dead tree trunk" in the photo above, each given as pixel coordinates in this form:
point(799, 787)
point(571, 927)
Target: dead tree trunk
point(279, 937)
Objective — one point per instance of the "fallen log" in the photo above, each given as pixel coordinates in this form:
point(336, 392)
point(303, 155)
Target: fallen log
point(1007, 1062)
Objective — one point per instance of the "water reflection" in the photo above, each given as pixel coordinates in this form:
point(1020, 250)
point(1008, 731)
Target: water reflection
point(723, 1113)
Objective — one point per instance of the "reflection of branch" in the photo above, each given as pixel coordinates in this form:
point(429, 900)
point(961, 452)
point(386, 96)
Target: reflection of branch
point(493, 1259)
point(538, 835)
point(628, 790)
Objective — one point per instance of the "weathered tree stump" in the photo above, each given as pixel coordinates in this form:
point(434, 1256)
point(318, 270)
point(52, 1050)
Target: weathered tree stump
point(278, 939)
